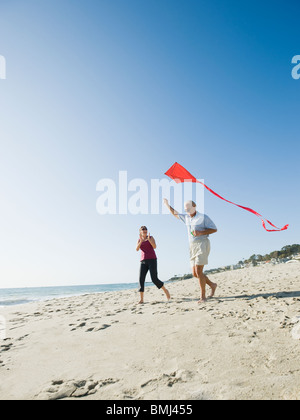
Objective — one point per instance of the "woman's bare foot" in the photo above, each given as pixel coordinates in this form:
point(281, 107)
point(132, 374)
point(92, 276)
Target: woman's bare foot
point(166, 292)
point(142, 298)
point(213, 289)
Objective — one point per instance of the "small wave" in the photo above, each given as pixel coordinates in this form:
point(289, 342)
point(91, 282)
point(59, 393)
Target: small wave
point(19, 296)
point(15, 302)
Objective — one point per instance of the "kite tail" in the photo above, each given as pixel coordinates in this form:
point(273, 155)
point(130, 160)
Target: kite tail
point(248, 209)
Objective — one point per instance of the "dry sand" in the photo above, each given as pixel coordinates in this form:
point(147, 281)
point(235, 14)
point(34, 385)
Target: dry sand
point(242, 344)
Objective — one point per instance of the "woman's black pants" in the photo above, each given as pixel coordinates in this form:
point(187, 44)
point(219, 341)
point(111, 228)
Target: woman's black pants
point(151, 265)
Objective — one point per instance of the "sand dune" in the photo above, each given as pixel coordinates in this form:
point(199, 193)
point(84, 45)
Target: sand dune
point(242, 344)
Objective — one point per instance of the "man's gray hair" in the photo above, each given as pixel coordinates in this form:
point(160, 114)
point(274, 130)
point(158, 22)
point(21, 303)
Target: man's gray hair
point(190, 203)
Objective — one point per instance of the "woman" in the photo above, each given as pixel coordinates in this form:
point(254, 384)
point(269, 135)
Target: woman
point(147, 245)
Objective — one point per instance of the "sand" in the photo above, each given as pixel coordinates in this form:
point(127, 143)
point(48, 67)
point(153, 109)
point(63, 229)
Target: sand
point(242, 344)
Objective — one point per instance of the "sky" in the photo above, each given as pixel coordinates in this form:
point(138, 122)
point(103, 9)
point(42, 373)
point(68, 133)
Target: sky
point(97, 87)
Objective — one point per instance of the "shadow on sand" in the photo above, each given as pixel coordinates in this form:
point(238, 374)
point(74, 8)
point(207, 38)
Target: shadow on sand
point(277, 295)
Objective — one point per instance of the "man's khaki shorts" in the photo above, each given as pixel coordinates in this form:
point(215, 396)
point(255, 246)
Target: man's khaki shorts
point(199, 252)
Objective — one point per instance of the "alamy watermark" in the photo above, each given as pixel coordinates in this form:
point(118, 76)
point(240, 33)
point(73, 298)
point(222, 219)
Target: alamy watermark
point(2, 328)
point(296, 69)
point(2, 67)
point(137, 196)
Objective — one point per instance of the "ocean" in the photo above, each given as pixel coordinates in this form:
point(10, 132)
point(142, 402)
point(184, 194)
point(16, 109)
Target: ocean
point(10, 297)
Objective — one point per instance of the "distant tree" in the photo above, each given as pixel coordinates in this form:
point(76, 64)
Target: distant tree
point(285, 252)
point(275, 254)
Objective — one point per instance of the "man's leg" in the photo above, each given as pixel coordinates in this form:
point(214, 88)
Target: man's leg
point(203, 280)
point(212, 285)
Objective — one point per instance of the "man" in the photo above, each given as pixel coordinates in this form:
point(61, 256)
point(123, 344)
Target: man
point(199, 226)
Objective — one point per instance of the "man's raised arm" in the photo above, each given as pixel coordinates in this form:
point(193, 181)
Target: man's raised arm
point(174, 212)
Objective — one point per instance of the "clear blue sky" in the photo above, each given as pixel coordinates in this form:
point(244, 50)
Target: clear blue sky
point(95, 87)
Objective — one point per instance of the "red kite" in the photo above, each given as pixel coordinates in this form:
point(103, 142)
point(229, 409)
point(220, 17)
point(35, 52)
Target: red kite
point(179, 174)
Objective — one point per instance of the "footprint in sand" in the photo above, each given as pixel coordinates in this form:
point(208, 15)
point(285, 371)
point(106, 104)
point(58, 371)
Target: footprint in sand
point(102, 327)
point(60, 389)
point(91, 329)
point(169, 380)
point(5, 347)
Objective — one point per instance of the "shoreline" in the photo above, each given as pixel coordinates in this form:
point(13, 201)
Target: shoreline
point(123, 286)
point(238, 345)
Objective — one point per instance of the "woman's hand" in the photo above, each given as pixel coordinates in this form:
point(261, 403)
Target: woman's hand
point(151, 241)
point(139, 242)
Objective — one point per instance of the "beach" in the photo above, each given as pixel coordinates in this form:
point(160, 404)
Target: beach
point(242, 344)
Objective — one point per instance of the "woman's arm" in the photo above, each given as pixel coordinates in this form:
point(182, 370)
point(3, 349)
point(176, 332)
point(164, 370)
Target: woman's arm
point(139, 243)
point(152, 241)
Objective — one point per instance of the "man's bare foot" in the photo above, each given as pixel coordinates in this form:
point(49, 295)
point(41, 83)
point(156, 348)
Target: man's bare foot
point(213, 289)
point(202, 300)
point(141, 302)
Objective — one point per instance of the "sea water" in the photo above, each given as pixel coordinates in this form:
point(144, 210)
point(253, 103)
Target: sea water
point(9, 297)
